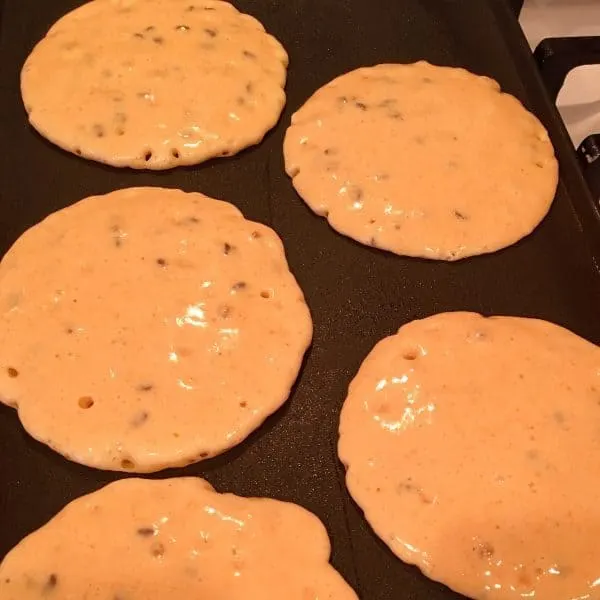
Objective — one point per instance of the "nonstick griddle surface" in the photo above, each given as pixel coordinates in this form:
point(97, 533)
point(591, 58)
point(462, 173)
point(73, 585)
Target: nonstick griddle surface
point(357, 294)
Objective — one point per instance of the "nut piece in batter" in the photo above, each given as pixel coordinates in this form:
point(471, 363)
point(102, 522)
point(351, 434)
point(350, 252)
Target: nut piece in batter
point(472, 444)
point(422, 161)
point(148, 328)
point(175, 539)
point(152, 84)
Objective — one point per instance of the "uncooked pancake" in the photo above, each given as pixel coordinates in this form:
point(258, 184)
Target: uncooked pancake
point(175, 539)
point(153, 84)
point(148, 328)
point(472, 446)
point(422, 161)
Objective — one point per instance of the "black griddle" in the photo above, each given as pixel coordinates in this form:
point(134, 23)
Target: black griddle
point(357, 294)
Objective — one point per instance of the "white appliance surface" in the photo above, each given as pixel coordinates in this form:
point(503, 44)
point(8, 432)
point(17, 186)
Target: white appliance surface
point(579, 100)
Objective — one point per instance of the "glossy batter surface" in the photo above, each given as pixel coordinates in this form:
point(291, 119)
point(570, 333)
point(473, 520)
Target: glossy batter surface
point(422, 160)
point(155, 83)
point(148, 328)
point(472, 446)
point(175, 539)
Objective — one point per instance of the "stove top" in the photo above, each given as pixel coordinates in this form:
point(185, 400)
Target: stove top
point(579, 100)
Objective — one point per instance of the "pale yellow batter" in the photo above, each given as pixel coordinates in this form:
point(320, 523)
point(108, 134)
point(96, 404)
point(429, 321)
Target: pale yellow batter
point(148, 328)
point(473, 447)
point(175, 539)
point(153, 84)
point(422, 160)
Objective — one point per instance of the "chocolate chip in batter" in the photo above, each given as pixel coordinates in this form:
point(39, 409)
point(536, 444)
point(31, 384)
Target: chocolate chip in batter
point(243, 404)
point(12, 372)
point(118, 235)
point(361, 106)
point(98, 130)
point(249, 54)
point(148, 156)
point(145, 387)
point(266, 294)
point(203, 455)
point(255, 235)
point(539, 165)
point(51, 583)
point(460, 216)
point(329, 151)
point(249, 87)
point(396, 114)
point(241, 101)
point(139, 35)
point(150, 28)
point(140, 419)
point(85, 402)
point(484, 550)
point(228, 248)
point(157, 549)
point(240, 285)
point(161, 262)
point(210, 32)
point(146, 531)
point(182, 28)
point(560, 419)
point(78, 151)
point(158, 39)
point(175, 153)
point(355, 193)
point(427, 80)
point(190, 8)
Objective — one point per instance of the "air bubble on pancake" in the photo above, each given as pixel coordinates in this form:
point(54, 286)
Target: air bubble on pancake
point(85, 402)
point(410, 354)
point(127, 464)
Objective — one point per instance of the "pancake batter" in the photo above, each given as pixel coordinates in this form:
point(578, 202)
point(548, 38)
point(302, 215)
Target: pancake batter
point(422, 161)
point(472, 445)
point(148, 328)
point(153, 84)
point(175, 539)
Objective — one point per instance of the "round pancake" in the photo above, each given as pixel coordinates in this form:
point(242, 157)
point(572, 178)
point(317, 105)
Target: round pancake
point(152, 84)
point(175, 539)
point(148, 328)
point(471, 445)
point(421, 160)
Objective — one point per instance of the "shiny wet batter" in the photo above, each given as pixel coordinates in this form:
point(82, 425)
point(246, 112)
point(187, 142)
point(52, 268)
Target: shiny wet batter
point(422, 160)
point(175, 539)
point(148, 328)
point(472, 445)
point(155, 83)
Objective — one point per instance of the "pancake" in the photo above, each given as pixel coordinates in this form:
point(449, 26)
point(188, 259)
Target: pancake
point(471, 445)
point(148, 328)
point(175, 539)
point(422, 161)
point(152, 84)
